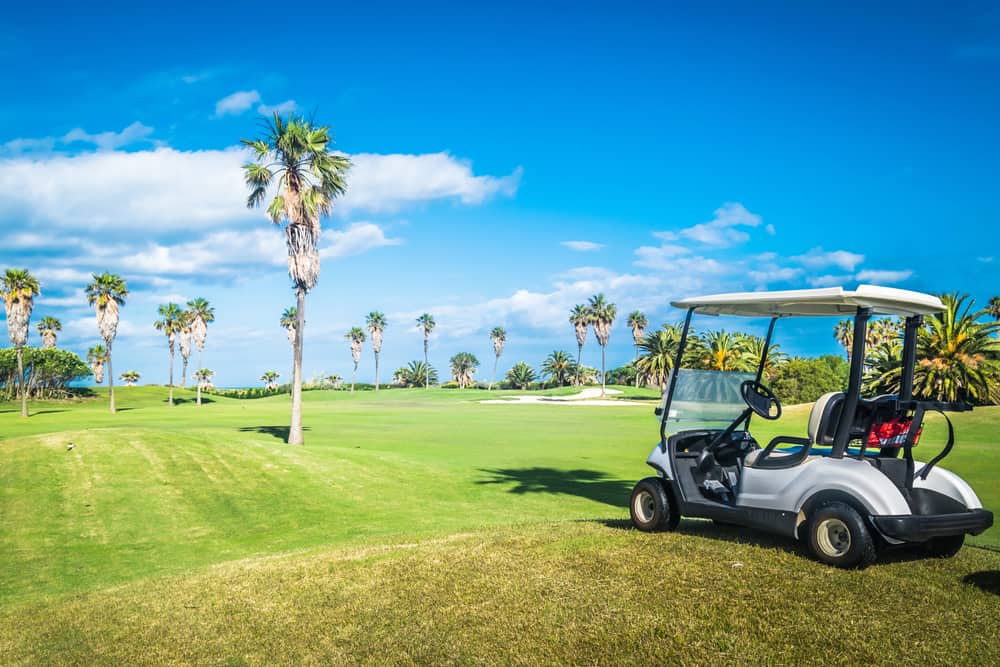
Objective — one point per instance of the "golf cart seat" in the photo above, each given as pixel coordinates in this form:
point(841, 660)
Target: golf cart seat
point(820, 431)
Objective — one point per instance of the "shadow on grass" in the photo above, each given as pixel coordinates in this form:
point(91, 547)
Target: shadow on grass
point(181, 401)
point(986, 580)
point(279, 432)
point(46, 412)
point(591, 484)
point(741, 535)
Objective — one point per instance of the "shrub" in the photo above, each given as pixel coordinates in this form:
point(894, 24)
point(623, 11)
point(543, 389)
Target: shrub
point(47, 372)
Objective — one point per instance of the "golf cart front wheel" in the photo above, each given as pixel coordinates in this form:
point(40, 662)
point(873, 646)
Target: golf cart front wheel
point(838, 536)
point(651, 506)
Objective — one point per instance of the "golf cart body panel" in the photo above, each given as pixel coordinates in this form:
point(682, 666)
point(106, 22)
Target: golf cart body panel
point(849, 462)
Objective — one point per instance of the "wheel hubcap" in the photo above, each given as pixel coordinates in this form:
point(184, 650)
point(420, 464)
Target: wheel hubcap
point(644, 506)
point(833, 537)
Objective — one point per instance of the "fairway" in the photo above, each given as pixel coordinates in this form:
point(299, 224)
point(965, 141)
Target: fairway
point(424, 514)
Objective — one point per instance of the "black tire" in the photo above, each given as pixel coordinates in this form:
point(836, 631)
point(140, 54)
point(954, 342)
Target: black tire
point(944, 547)
point(838, 536)
point(651, 506)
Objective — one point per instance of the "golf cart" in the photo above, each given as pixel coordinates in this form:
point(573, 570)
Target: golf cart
point(849, 485)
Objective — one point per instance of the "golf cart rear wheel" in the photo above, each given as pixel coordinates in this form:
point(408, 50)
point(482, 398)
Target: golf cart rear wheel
point(651, 506)
point(838, 536)
point(944, 547)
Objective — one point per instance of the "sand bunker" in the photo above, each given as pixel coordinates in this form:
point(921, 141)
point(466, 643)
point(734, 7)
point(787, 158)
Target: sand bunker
point(585, 397)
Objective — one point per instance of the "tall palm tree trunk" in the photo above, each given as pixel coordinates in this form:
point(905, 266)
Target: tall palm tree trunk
point(171, 396)
point(354, 376)
point(579, 355)
point(603, 375)
point(494, 378)
point(635, 363)
point(111, 380)
point(184, 370)
point(199, 381)
point(295, 429)
point(427, 367)
point(20, 381)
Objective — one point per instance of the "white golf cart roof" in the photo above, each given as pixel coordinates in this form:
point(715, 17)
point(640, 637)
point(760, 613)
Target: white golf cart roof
point(834, 301)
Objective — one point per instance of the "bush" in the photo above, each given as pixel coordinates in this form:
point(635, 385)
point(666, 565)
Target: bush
point(801, 380)
point(47, 372)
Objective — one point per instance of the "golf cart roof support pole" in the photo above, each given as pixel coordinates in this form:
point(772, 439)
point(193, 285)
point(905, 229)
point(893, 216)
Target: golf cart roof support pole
point(673, 376)
point(843, 434)
point(909, 356)
point(763, 362)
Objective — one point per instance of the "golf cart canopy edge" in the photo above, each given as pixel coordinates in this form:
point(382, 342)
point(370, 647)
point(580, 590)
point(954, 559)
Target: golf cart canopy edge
point(829, 301)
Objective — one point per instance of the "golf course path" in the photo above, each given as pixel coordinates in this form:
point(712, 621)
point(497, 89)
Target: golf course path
point(583, 398)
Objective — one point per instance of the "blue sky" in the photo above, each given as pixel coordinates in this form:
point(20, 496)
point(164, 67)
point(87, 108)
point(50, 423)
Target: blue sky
point(689, 150)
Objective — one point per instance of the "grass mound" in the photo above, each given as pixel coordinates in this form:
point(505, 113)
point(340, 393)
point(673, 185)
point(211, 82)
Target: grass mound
point(568, 593)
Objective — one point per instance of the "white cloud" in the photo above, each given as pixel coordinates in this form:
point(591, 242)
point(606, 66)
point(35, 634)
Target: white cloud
point(134, 133)
point(765, 277)
point(659, 257)
point(544, 310)
point(770, 229)
point(358, 238)
point(105, 141)
point(817, 258)
point(984, 260)
point(883, 277)
point(829, 280)
point(173, 190)
point(388, 183)
point(582, 246)
point(236, 103)
point(285, 107)
point(721, 230)
point(62, 275)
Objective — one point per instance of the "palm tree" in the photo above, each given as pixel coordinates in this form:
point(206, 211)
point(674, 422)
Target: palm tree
point(427, 323)
point(957, 354)
point(170, 323)
point(97, 356)
point(463, 367)
point(107, 292)
point(376, 322)
point(202, 313)
point(559, 367)
point(204, 377)
point(520, 375)
point(19, 289)
point(993, 307)
point(843, 332)
point(289, 320)
point(129, 378)
point(638, 322)
point(752, 348)
point(416, 373)
point(579, 317)
point(721, 351)
point(295, 157)
point(269, 378)
point(47, 328)
point(184, 342)
point(602, 316)
point(660, 349)
point(499, 336)
point(357, 336)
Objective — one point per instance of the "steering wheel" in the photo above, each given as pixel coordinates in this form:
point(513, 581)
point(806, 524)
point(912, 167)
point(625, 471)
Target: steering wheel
point(760, 399)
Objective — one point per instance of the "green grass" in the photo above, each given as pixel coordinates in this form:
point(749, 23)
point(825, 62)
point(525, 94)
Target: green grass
point(422, 523)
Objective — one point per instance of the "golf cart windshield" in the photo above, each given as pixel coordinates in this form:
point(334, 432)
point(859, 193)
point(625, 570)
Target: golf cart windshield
point(706, 399)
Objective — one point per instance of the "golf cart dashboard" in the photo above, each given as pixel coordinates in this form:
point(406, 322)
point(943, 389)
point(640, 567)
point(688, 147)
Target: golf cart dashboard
point(690, 444)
